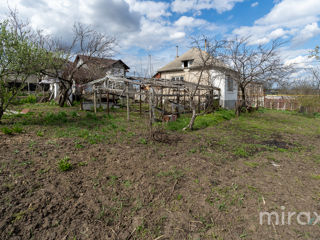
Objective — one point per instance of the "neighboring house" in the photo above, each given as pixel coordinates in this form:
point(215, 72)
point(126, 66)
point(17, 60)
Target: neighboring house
point(188, 67)
point(94, 68)
point(91, 68)
point(254, 94)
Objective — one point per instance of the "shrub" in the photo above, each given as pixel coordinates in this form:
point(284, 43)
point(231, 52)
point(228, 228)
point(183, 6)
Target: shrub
point(64, 164)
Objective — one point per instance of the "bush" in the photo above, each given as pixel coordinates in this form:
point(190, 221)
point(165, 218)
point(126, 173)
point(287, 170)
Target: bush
point(64, 164)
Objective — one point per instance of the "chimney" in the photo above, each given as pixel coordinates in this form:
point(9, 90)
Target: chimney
point(205, 45)
point(177, 55)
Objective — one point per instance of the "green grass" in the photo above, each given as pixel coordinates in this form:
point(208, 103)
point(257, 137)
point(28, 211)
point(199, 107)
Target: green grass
point(12, 130)
point(241, 152)
point(202, 121)
point(316, 177)
point(6, 130)
point(251, 164)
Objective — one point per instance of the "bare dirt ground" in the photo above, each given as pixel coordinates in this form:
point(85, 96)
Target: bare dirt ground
point(207, 184)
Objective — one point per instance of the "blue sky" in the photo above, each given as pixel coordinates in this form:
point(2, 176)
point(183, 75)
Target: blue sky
point(156, 27)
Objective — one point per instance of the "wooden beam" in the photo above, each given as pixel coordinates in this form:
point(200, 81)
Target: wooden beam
point(140, 103)
point(199, 101)
point(95, 101)
point(127, 96)
point(108, 110)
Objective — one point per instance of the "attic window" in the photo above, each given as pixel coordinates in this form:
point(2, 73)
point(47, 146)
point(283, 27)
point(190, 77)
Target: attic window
point(187, 63)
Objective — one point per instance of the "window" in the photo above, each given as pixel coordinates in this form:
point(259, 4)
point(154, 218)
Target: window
point(187, 63)
point(177, 78)
point(229, 83)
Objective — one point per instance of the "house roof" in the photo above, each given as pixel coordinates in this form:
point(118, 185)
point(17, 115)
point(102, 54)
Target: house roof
point(105, 62)
point(193, 54)
point(93, 69)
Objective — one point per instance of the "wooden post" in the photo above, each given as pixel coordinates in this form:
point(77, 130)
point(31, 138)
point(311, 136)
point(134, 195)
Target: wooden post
point(178, 103)
point(150, 113)
point(199, 102)
point(184, 100)
point(140, 104)
point(161, 98)
point(95, 101)
point(100, 100)
point(128, 107)
point(108, 110)
point(81, 103)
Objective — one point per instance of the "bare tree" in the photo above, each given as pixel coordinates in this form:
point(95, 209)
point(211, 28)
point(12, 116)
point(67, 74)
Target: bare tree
point(87, 42)
point(255, 64)
point(208, 59)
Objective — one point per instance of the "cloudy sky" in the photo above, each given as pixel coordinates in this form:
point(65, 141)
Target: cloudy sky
point(156, 27)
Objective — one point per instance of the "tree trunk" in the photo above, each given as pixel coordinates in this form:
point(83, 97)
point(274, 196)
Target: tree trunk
point(63, 97)
point(243, 91)
point(1, 114)
point(194, 115)
point(241, 104)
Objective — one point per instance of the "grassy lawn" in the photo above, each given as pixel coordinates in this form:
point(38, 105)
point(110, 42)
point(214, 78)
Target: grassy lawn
point(69, 174)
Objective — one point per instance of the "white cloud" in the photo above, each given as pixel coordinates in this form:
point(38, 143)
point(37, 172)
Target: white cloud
point(254, 4)
point(151, 9)
point(292, 13)
point(279, 32)
point(57, 16)
point(288, 19)
point(185, 21)
point(182, 6)
point(309, 31)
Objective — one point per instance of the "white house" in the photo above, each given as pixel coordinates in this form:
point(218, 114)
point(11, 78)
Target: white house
point(188, 67)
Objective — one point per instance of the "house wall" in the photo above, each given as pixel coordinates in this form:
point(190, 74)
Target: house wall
point(215, 77)
point(117, 70)
point(228, 98)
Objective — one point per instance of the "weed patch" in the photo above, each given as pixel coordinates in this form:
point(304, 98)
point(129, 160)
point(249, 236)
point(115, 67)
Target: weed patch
point(64, 164)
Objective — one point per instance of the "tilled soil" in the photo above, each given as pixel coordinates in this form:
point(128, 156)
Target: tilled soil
point(191, 187)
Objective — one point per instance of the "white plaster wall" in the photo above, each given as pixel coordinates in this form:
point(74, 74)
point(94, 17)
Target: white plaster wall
point(227, 98)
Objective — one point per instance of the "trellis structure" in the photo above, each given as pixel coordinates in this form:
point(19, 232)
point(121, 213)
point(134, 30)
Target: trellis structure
point(156, 90)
